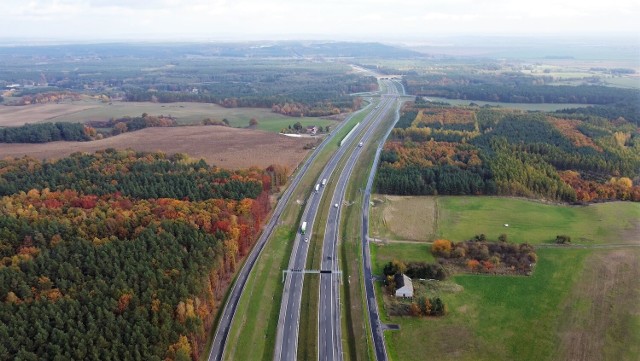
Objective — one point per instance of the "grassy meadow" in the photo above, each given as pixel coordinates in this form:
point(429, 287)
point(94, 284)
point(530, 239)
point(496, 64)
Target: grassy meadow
point(461, 218)
point(580, 302)
point(384, 253)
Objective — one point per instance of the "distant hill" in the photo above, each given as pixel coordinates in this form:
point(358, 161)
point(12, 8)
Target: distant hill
point(248, 49)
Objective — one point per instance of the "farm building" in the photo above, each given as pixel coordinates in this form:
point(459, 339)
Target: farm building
point(404, 287)
point(312, 129)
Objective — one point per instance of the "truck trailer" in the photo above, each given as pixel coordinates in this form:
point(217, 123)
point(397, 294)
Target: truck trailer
point(303, 228)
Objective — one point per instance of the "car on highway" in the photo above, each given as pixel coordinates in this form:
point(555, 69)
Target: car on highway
point(306, 239)
point(336, 205)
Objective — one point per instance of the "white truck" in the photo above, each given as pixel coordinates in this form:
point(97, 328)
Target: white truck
point(303, 228)
point(324, 182)
point(317, 187)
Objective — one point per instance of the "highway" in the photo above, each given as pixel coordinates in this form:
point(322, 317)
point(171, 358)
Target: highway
point(286, 346)
point(372, 306)
point(329, 326)
point(229, 310)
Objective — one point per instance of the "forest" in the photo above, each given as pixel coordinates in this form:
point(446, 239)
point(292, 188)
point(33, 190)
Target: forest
point(46, 132)
point(295, 87)
point(438, 149)
point(120, 255)
point(514, 87)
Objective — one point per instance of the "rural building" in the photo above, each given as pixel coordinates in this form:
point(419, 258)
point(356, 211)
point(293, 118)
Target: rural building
point(404, 287)
point(312, 130)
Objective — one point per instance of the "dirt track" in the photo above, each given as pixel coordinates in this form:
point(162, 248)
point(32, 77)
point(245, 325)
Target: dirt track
point(222, 146)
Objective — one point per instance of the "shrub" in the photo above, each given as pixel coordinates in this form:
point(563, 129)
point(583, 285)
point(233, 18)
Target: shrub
point(442, 248)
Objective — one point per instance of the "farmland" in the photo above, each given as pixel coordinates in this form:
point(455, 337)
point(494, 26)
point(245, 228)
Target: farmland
point(403, 218)
point(222, 146)
point(528, 221)
point(184, 113)
point(544, 107)
point(533, 222)
point(592, 286)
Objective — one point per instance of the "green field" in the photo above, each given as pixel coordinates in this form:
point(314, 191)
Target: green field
point(623, 82)
point(486, 321)
point(461, 218)
point(407, 252)
point(546, 107)
point(186, 113)
point(580, 303)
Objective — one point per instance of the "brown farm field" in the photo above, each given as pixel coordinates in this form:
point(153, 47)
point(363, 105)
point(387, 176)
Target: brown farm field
point(406, 218)
point(13, 116)
point(601, 318)
point(222, 146)
point(89, 109)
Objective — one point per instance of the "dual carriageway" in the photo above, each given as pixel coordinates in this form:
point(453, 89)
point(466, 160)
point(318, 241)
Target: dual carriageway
point(329, 323)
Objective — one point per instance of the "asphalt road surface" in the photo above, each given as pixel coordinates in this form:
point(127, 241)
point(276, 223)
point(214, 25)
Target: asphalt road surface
point(286, 346)
point(372, 305)
point(329, 326)
point(330, 343)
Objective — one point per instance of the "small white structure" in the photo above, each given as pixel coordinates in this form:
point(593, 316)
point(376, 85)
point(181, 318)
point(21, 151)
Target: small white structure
point(404, 287)
point(506, 224)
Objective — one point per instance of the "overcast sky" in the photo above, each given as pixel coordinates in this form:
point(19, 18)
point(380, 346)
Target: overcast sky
point(328, 19)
